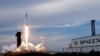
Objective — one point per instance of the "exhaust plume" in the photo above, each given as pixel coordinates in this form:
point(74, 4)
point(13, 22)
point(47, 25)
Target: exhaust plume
point(26, 34)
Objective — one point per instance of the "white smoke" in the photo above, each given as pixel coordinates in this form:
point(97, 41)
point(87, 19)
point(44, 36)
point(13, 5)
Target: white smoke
point(30, 47)
point(6, 48)
point(23, 47)
point(39, 47)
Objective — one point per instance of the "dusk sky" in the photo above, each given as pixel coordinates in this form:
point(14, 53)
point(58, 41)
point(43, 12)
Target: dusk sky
point(58, 21)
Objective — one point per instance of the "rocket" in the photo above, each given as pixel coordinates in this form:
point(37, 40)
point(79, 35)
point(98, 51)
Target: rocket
point(26, 30)
point(26, 21)
point(18, 34)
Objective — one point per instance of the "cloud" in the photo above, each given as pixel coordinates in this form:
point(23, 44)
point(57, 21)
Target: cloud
point(7, 29)
point(53, 7)
point(62, 13)
point(7, 38)
point(51, 26)
point(62, 6)
point(43, 26)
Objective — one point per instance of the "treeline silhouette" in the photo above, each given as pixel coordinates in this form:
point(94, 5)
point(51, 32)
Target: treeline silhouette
point(57, 54)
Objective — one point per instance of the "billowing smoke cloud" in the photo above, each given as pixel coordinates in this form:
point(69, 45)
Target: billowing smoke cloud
point(23, 47)
point(6, 48)
point(39, 47)
point(30, 47)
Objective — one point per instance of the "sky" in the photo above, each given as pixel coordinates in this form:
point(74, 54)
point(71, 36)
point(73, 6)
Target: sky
point(58, 21)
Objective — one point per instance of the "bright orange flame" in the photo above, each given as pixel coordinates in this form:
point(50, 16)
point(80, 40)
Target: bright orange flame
point(26, 34)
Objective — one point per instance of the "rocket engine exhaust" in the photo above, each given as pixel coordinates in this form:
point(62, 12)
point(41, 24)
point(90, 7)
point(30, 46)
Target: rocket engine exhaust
point(26, 34)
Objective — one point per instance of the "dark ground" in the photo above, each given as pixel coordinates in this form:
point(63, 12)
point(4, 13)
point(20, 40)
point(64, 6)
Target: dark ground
point(47, 54)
